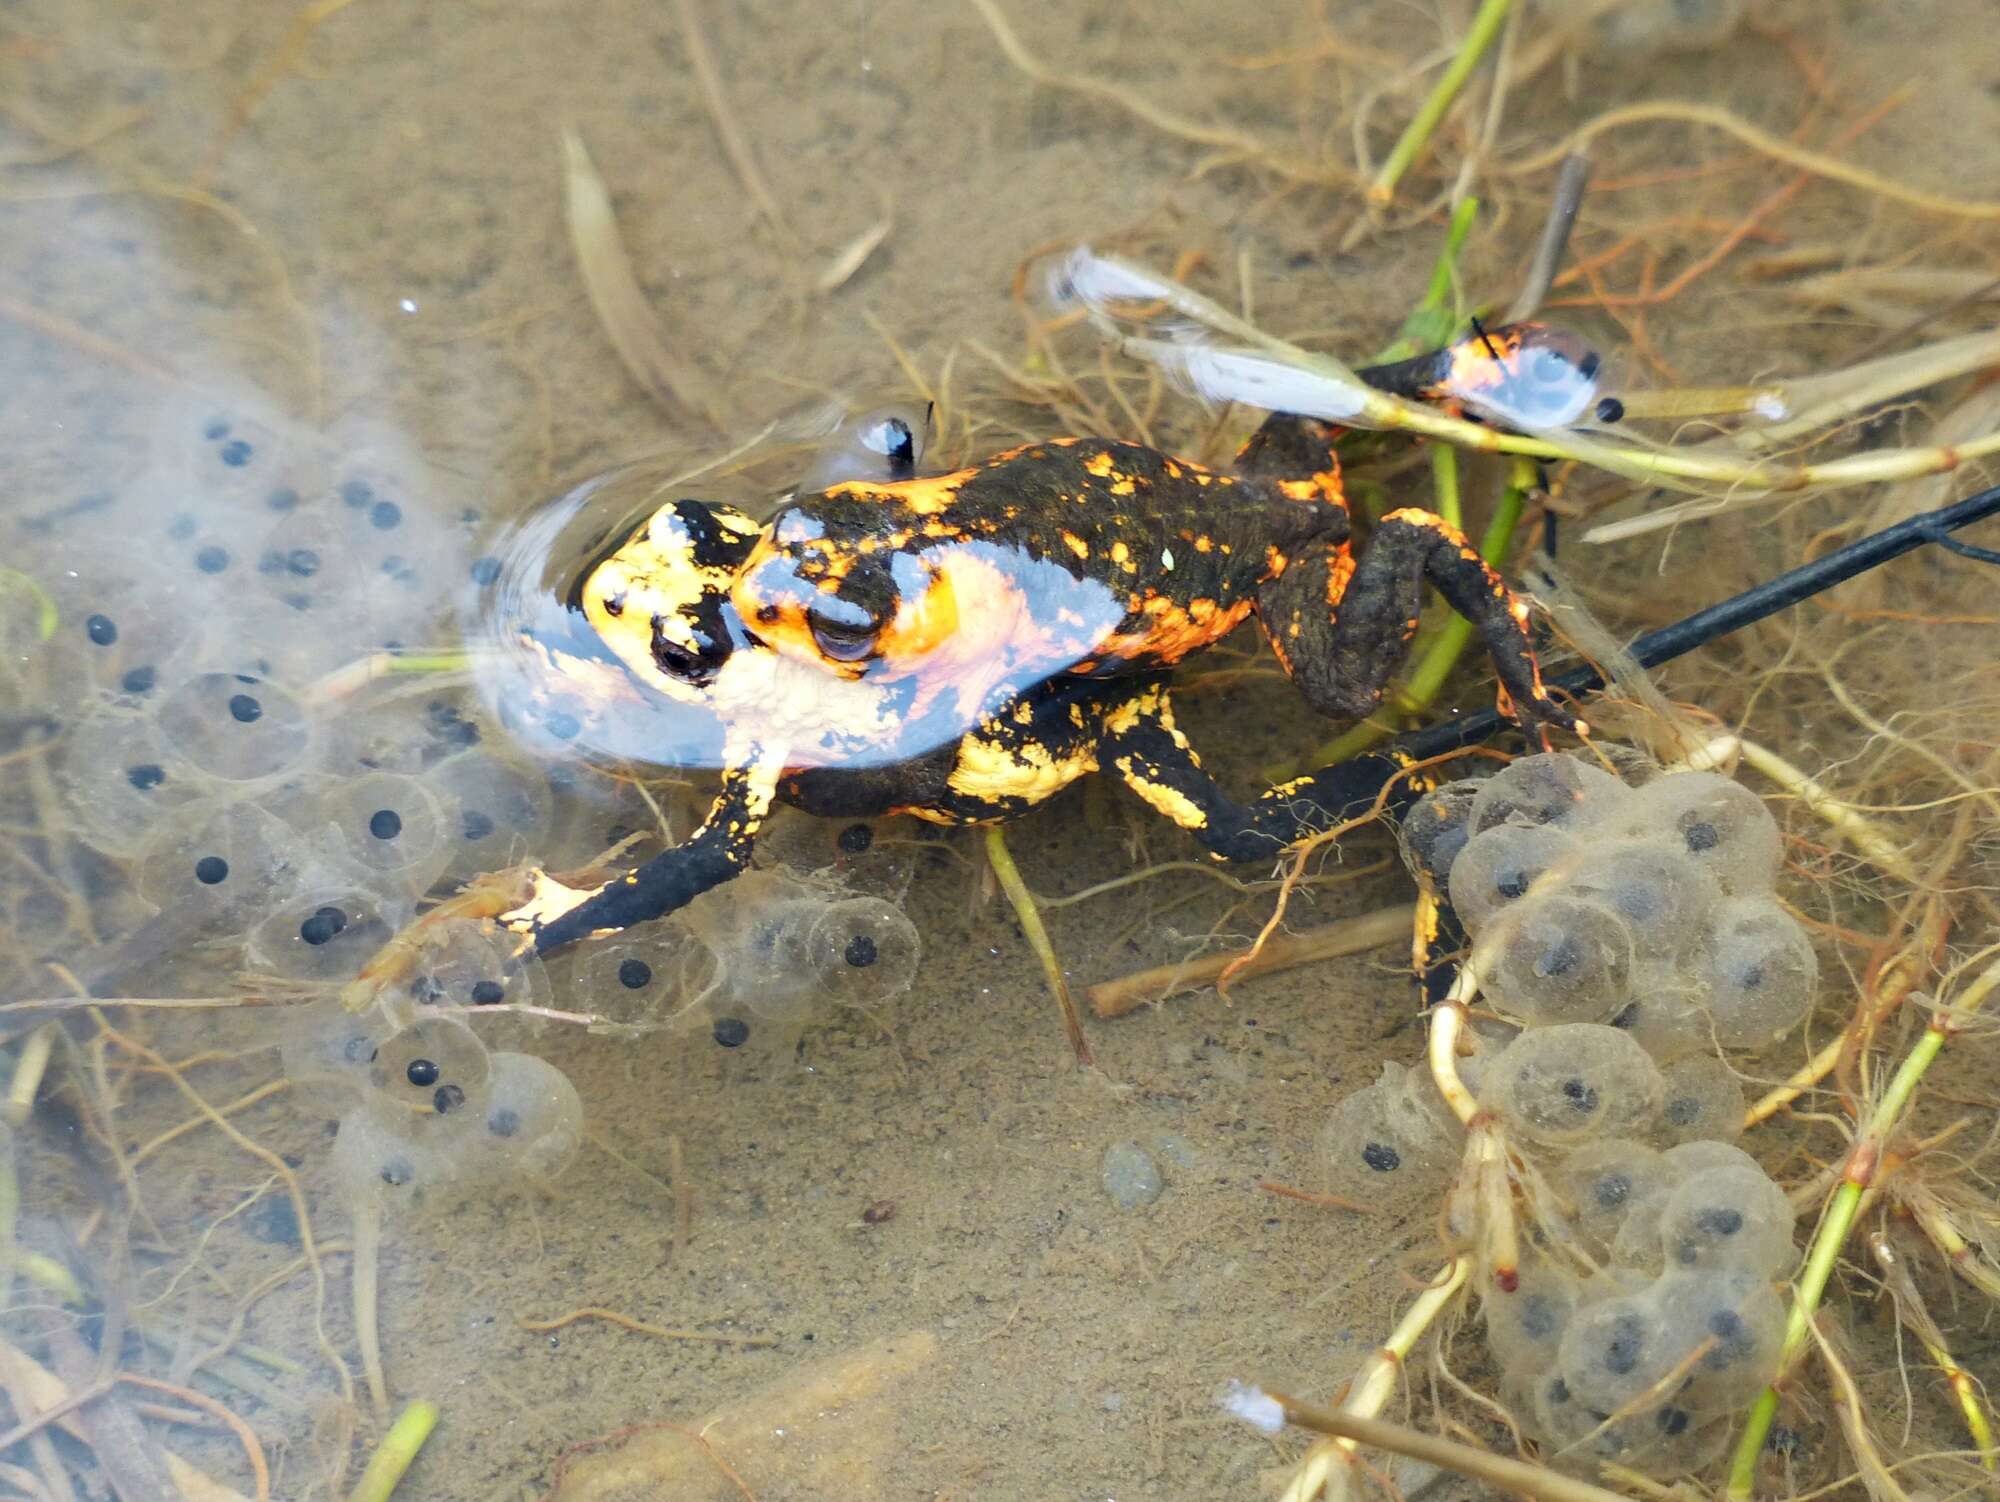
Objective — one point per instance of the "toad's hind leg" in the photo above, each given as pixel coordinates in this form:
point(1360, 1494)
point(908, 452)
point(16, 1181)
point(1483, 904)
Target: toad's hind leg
point(1342, 628)
point(556, 915)
point(1142, 743)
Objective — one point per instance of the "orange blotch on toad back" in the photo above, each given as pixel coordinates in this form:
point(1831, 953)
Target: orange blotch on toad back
point(1172, 631)
point(928, 495)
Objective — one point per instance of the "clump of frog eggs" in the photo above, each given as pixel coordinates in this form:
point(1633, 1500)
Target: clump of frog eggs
point(226, 810)
point(1623, 929)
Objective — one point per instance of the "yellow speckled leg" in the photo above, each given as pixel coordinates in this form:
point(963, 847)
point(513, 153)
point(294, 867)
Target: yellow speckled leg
point(1148, 750)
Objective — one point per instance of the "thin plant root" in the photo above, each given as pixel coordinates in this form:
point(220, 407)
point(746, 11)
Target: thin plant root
point(1310, 1197)
point(734, 143)
point(1374, 1383)
point(1849, 823)
point(1852, 1410)
point(1023, 902)
point(1757, 140)
point(63, 331)
point(1911, 1309)
point(1942, 1230)
point(282, 61)
point(1282, 951)
point(662, 1332)
point(367, 1272)
point(1233, 143)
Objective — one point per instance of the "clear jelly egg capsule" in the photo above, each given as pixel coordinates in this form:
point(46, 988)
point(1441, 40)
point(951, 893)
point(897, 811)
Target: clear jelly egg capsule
point(1703, 1101)
point(467, 962)
point(864, 950)
point(1719, 823)
point(1606, 1182)
point(1436, 829)
point(237, 727)
point(303, 565)
point(1548, 788)
point(327, 1051)
point(1728, 1217)
point(1690, 1159)
point(434, 1067)
point(1557, 958)
point(637, 980)
point(124, 634)
point(1616, 1350)
point(403, 735)
point(220, 863)
point(867, 857)
point(1524, 1328)
point(235, 456)
point(534, 1117)
point(387, 825)
point(1760, 970)
point(1662, 1437)
point(326, 934)
point(1564, 1084)
point(1629, 765)
point(378, 1162)
point(1663, 895)
point(768, 960)
point(1665, 1016)
point(1728, 1325)
point(1499, 865)
point(496, 810)
point(119, 780)
point(1377, 1143)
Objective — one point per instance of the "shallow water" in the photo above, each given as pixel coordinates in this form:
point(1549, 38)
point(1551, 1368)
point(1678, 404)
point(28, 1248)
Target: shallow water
point(291, 331)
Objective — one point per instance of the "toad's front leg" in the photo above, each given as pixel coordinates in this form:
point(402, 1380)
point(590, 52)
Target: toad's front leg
point(547, 912)
point(1142, 743)
point(556, 915)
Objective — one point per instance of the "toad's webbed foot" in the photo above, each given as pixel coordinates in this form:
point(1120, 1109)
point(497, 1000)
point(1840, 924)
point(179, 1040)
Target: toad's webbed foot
point(1142, 743)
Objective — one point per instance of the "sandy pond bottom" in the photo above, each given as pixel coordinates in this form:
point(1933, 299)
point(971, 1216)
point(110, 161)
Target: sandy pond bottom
point(908, 1201)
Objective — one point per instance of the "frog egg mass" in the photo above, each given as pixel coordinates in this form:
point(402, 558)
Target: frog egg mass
point(1588, 899)
point(299, 831)
point(1623, 925)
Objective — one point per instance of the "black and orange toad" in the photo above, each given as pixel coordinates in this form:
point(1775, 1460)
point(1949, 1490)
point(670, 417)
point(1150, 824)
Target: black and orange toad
point(963, 646)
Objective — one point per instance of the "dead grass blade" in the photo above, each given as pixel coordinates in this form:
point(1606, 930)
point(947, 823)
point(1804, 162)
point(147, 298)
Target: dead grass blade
point(628, 318)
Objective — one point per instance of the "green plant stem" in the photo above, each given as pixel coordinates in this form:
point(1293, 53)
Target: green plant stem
point(1862, 1162)
point(393, 1456)
point(1436, 320)
point(1416, 135)
point(1444, 484)
point(1434, 667)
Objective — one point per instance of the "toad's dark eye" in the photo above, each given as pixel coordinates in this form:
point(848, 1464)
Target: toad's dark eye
point(678, 660)
point(892, 438)
point(879, 446)
point(842, 630)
